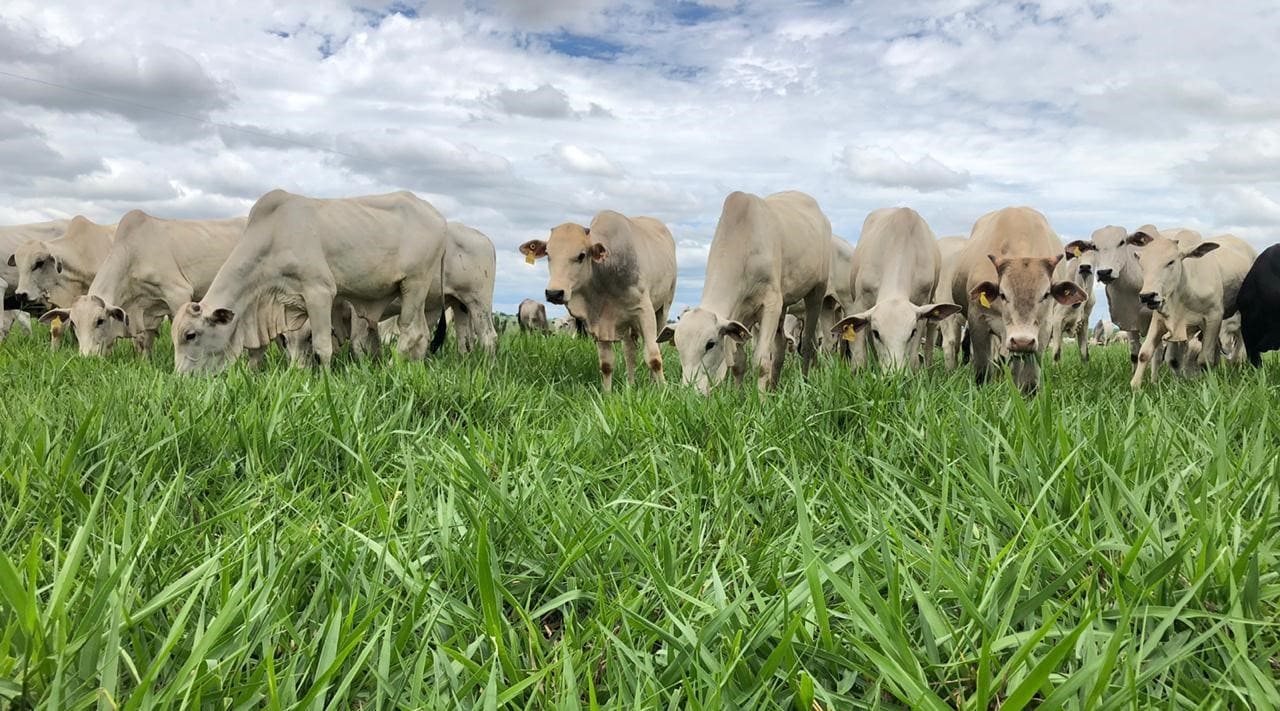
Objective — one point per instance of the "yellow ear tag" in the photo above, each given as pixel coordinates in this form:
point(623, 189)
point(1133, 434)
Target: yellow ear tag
point(529, 258)
point(982, 299)
point(849, 334)
point(55, 323)
point(1078, 251)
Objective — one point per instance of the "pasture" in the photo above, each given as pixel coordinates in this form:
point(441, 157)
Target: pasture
point(497, 534)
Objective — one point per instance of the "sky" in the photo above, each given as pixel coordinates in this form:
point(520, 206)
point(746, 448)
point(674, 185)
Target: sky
point(514, 116)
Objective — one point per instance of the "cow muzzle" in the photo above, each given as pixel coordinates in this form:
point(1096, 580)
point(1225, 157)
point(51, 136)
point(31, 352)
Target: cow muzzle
point(1106, 276)
point(1151, 300)
point(1022, 344)
point(1085, 270)
point(555, 296)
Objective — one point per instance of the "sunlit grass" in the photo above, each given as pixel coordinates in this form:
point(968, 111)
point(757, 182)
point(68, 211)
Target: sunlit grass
point(496, 534)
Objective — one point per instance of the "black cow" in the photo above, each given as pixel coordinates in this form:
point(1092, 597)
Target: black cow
point(1259, 305)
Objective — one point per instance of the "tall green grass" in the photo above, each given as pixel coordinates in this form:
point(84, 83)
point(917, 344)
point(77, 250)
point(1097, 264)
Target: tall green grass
point(495, 534)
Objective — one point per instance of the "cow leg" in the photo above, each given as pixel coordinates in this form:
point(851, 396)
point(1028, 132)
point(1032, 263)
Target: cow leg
point(1147, 352)
point(319, 303)
point(629, 356)
point(605, 350)
point(1210, 338)
point(652, 351)
point(951, 328)
point(737, 362)
point(414, 337)
point(809, 338)
point(779, 347)
point(1055, 341)
point(930, 342)
point(1082, 338)
point(770, 322)
point(256, 357)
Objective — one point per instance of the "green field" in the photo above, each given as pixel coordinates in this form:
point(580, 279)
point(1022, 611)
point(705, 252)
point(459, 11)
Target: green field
point(469, 533)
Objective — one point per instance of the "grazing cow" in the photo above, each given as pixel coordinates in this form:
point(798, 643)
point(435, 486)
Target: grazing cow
point(619, 275)
point(951, 327)
point(55, 272)
point(14, 236)
point(1072, 320)
point(533, 316)
point(469, 269)
point(1187, 284)
point(1259, 305)
point(1004, 280)
point(1104, 332)
point(298, 256)
point(154, 267)
point(766, 253)
point(896, 263)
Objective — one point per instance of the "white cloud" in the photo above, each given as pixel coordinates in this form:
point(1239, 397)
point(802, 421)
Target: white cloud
point(583, 161)
point(883, 166)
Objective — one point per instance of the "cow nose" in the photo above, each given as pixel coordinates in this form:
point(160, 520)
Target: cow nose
point(1085, 270)
point(1149, 297)
point(1022, 345)
point(555, 296)
point(1104, 275)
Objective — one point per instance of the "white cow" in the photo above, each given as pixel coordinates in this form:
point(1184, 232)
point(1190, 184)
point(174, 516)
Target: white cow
point(14, 236)
point(766, 253)
point(1004, 281)
point(154, 267)
point(55, 272)
point(1188, 284)
point(1072, 320)
point(951, 327)
point(618, 275)
point(896, 264)
point(839, 298)
point(298, 255)
point(532, 316)
point(1104, 332)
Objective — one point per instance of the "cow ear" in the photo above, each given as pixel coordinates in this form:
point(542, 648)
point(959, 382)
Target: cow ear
point(60, 314)
point(1139, 239)
point(998, 262)
point(1078, 247)
point(937, 312)
point(599, 252)
point(533, 249)
point(118, 314)
point(985, 294)
point(586, 230)
point(831, 303)
point(222, 317)
point(735, 330)
point(1200, 250)
point(13, 261)
point(666, 335)
point(850, 326)
point(1052, 262)
point(1068, 294)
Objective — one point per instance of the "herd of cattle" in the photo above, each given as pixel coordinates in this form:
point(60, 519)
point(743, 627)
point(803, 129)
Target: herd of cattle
point(312, 274)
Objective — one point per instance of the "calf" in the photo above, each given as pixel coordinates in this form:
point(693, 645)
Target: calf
point(532, 316)
point(619, 275)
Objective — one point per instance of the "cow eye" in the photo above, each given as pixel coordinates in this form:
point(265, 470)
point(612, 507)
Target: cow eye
point(99, 322)
point(189, 336)
point(1002, 297)
point(582, 256)
point(39, 263)
point(1170, 264)
point(875, 334)
point(710, 345)
point(1046, 296)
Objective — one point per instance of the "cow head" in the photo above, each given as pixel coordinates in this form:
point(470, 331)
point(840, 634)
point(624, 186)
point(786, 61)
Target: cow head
point(706, 344)
point(1081, 264)
point(96, 323)
point(894, 327)
point(1114, 262)
point(40, 274)
point(203, 339)
point(570, 254)
point(1019, 304)
point(1161, 260)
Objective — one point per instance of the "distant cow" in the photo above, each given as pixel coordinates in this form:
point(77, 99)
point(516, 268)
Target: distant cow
point(619, 275)
point(1072, 320)
point(154, 267)
point(532, 316)
point(299, 256)
point(896, 264)
point(1187, 284)
point(1259, 305)
point(1104, 332)
point(1004, 280)
point(14, 236)
point(766, 253)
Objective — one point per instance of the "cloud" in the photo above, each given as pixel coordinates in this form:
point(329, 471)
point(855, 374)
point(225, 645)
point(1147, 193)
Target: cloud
point(879, 165)
point(25, 154)
point(144, 81)
point(1241, 206)
point(545, 102)
point(420, 159)
point(583, 161)
point(1251, 157)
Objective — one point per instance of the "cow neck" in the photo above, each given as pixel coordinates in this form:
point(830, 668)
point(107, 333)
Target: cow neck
point(619, 271)
point(114, 273)
point(240, 280)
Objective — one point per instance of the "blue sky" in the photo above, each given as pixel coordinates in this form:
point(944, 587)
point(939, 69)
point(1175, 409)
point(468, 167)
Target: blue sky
point(515, 116)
